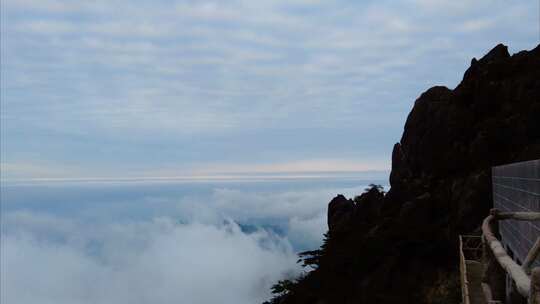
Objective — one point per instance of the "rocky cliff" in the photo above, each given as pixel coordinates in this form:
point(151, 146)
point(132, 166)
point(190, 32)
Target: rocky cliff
point(401, 246)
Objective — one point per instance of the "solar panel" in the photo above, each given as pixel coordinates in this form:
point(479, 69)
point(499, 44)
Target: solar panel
point(516, 187)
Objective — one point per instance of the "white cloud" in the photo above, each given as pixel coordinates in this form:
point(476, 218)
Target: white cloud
point(107, 252)
point(47, 27)
point(294, 212)
point(301, 214)
point(305, 232)
point(26, 170)
point(476, 25)
point(203, 62)
point(152, 262)
point(448, 6)
point(54, 6)
point(243, 205)
point(305, 166)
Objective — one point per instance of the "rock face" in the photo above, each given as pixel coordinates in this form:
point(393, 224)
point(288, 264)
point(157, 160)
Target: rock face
point(401, 247)
point(339, 213)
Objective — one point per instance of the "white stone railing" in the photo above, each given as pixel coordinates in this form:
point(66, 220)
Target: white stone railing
point(527, 286)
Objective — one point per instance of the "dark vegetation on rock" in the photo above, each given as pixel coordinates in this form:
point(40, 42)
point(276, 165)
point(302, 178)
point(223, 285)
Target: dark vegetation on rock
point(401, 246)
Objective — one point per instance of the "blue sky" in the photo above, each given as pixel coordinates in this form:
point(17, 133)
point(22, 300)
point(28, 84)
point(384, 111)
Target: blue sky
point(117, 89)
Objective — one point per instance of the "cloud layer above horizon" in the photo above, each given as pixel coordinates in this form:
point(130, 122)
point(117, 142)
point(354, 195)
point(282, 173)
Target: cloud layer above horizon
point(114, 86)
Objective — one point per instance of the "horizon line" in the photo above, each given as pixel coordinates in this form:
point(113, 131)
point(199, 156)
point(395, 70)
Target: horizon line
point(202, 178)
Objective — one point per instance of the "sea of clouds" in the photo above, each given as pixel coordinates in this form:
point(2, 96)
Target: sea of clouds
point(190, 249)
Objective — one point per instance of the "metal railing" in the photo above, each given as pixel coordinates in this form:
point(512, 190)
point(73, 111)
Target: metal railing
point(465, 298)
point(527, 286)
point(470, 250)
point(472, 247)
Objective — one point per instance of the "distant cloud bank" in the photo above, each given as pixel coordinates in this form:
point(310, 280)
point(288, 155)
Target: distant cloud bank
point(304, 169)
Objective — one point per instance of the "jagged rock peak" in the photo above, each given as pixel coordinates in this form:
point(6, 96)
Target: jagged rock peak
point(497, 53)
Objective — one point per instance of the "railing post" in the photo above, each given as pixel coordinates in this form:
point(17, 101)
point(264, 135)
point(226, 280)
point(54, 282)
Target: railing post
point(534, 295)
point(463, 274)
point(494, 275)
point(531, 256)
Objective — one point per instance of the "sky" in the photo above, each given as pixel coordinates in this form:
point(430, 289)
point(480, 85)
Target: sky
point(107, 91)
point(159, 89)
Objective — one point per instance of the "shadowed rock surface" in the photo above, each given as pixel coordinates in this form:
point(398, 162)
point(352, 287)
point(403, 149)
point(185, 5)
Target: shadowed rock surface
point(401, 247)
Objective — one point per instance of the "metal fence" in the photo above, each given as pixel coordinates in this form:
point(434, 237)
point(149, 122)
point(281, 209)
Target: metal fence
point(516, 187)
